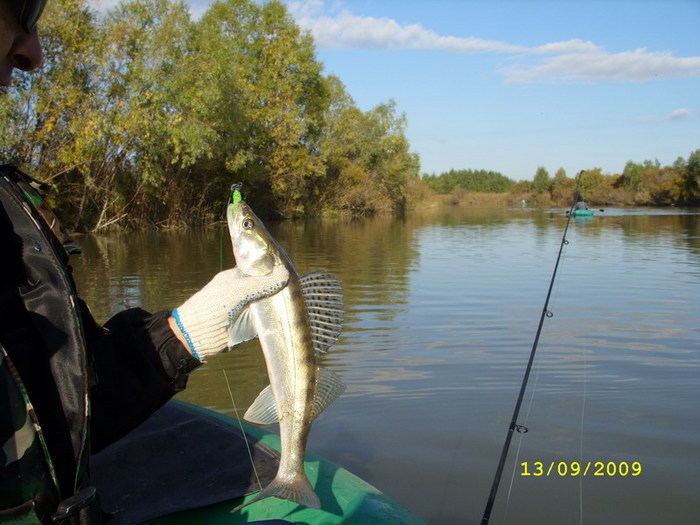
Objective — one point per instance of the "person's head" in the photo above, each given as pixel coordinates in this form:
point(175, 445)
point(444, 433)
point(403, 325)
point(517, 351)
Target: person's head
point(19, 42)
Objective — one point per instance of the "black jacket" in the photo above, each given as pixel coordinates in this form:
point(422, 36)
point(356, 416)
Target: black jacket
point(133, 364)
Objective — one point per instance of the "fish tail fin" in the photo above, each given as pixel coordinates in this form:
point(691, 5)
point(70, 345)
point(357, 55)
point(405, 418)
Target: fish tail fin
point(298, 490)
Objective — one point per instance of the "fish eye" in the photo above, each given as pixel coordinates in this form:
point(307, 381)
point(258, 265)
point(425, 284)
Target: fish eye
point(248, 224)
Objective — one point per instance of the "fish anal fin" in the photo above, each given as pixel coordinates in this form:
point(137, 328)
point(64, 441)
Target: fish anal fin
point(263, 411)
point(329, 387)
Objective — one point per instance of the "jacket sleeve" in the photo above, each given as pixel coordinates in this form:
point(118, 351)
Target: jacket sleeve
point(139, 364)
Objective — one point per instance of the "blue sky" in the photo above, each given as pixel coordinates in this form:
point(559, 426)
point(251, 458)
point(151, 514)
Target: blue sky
point(512, 85)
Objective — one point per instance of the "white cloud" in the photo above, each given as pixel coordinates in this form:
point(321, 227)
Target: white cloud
point(575, 45)
point(676, 114)
point(346, 30)
point(570, 60)
point(680, 114)
point(639, 65)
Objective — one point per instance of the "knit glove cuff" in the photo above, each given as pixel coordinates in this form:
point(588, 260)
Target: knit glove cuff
point(205, 317)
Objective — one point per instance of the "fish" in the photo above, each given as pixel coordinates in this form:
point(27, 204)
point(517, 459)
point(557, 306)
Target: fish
point(294, 326)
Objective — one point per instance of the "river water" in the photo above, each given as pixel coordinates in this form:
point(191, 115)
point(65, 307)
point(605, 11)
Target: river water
point(442, 308)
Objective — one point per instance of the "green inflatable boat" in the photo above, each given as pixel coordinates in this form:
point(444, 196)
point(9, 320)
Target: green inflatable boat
point(581, 209)
point(190, 465)
point(582, 213)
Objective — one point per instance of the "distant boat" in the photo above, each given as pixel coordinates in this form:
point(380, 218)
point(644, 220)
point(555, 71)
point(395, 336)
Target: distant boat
point(581, 209)
point(582, 213)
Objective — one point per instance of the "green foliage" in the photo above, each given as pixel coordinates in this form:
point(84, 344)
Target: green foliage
point(266, 99)
point(145, 116)
point(562, 187)
point(542, 182)
point(47, 128)
point(469, 180)
point(631, 176)
point(647, 184)
point(690, 178)
point(367, 162)
point(590, 182)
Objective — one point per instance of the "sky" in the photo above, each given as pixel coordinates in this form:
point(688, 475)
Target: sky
point(510, 86)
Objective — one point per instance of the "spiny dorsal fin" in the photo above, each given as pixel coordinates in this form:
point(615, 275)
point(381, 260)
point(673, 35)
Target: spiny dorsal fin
point(323, 296)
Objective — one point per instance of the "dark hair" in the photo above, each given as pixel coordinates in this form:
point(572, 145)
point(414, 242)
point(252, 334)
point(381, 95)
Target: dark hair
point(28, 12)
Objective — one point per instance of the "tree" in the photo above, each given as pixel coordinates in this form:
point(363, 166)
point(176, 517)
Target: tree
point(145, 121)
point(143, 116)
point(341, 147)
point(266, 96)
point(469, 180)
point(631, 175)
point(44, 112)
point(389, 159)
point(679, 164)
point(562, 186)
point(590, 182)
point(542, 182)
point(691, 178)
point(366, 155)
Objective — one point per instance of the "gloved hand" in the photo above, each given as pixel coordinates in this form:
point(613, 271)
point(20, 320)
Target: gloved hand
point(204, 319)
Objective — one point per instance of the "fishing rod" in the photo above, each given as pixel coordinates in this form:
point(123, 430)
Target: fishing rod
point(514, 421)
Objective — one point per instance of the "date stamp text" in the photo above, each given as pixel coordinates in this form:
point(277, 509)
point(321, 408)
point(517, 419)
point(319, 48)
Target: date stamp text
point(581, 468)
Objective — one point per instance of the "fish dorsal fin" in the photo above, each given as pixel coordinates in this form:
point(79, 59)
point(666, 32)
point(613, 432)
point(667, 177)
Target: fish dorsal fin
point(323, 296)
point(329, 386)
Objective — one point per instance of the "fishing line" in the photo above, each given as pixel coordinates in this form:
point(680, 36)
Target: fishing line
point(583, 411)
point(520, 441)
point(228, 384)
point(240, 424)
point(533, 391)
point(516, 412)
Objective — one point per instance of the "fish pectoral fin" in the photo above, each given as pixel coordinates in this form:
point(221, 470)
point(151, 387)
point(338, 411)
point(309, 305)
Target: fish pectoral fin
point(241, 328)
point(329, 386)
point(263, 411)
point(323, 296)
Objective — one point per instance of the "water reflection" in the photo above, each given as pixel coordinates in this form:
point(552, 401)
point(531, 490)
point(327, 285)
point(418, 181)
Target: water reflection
point(442, 305)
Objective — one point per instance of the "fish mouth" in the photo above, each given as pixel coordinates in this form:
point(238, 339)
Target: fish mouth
point(251, 247)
